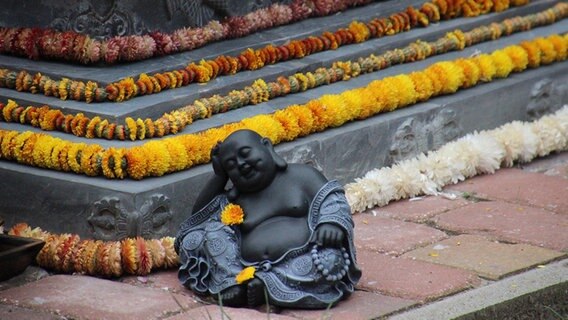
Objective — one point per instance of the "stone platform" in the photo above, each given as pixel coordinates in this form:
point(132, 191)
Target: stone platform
point(107, 209)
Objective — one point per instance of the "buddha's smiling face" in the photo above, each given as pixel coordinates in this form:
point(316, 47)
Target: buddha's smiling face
point(247, 161)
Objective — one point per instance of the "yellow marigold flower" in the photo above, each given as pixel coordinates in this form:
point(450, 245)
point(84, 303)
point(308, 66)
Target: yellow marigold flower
point(140, 129)
point(136, 160)
point(321, 117)
point(178, 155)
point(290, 123)
point(503, 64)
point(336, 108)
point(131, 126)
point(450, 74)
point(7, 110)
point(354, 102)
point(74, 156)
point(232, 214)
point(486, 67)
point(518, 56)
point(157, 158)
point(470, 70)
point(407, 94)
point(560, 45)
point(266, 126)
point(533, 52)
point(305, 119)
point(360, 31)
point(423, 85)
point(548, 53)
point(245, 274)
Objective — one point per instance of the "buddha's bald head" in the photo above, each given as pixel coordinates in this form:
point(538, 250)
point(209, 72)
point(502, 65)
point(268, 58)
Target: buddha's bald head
point(249, 160)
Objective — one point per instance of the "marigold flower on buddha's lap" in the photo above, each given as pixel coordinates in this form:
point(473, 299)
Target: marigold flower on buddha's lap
point(486, 67)
point(503, 63)
point(519, 57)
point(245, 275)
point(232, 214)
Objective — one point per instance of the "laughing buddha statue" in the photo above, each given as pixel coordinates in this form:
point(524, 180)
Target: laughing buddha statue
point(281, 229)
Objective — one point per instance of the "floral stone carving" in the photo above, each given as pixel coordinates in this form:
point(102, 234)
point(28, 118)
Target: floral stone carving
point(414, 136)
point(100, 19)
point(110, 220)
point(546, 97)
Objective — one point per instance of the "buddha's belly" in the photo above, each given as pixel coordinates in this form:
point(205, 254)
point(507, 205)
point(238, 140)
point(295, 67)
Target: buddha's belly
point(274, 237)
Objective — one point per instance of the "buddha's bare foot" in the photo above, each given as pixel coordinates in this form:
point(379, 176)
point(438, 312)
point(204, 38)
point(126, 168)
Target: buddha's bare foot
point(234, 296)
point(255, 293)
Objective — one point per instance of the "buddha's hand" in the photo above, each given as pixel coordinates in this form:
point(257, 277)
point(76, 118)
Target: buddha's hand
point(216, 162)
point(329, 235)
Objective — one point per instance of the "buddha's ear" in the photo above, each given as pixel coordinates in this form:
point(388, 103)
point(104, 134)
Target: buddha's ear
point(278, 160)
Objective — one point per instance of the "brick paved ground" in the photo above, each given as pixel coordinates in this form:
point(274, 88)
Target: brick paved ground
point(411, 253)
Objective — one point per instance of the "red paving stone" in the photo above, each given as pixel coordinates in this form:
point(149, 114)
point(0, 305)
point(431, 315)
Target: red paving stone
point(16, 313)
point(418, 210)
point(361, 305)
point(490, 259)
point(518, 186)
point(392, 236)
point(86, 297)
point(509, 222)
point(214, 312)
point(164, 279)
point(411, 279)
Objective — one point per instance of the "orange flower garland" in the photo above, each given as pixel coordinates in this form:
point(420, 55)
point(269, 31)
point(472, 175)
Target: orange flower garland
point(67, 253)
point(249, 59)
point(155, 158)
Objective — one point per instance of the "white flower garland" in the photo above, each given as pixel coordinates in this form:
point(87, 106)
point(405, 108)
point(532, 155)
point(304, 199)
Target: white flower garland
point(476, 153)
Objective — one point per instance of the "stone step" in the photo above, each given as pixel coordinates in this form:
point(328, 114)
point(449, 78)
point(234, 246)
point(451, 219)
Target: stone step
point(155, 105)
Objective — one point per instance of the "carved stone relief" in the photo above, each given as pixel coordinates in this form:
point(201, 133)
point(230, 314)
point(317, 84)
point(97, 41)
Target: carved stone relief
point(414, 136)
point(198, 12)
point(546, 97)
point(110, 220)
point(100, 19)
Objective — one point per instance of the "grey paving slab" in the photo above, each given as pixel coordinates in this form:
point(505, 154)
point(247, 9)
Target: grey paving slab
point(488, 258)
point(539, 293)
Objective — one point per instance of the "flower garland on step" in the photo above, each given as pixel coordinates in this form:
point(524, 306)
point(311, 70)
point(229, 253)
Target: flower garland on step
point(37, 43)
point(67, 253)
point(156, 158)
point(476, 153)
point(250, 59)
point(173, 122)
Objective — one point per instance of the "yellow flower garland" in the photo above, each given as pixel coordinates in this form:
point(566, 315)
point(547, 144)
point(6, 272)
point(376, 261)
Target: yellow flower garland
point(156, 158)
